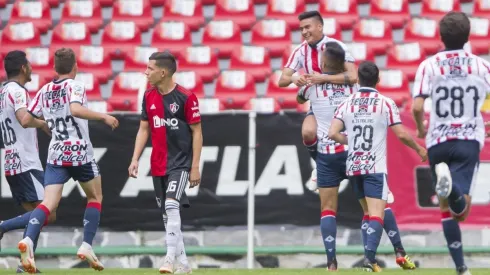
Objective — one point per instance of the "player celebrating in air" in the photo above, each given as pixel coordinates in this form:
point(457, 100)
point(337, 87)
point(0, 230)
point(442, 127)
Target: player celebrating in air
point(366, 116)
point(22, 167)
point(170, 113)
point(63, 104)
point(457, 83)
point(308, 56)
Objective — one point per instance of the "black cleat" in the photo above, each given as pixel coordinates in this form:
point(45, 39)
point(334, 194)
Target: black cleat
point(332, 266)
point(463, 270)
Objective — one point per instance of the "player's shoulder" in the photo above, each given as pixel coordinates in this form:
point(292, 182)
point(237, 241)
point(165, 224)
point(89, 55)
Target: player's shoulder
point(387, 100)
point(184, 93)
point(75, 84)
point(330, 39)
point(299, 48)
point(14, 88)
point(481, 60)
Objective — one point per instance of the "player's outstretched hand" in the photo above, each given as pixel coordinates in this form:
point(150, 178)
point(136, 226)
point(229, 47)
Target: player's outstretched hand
point(422, 153)
point(195, 178)
point(133, 169)
point(111, 121)
point(299, 81)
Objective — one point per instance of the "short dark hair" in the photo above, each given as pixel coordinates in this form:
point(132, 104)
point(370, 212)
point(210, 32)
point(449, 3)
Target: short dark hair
point(368, 74)
point(64, 60)
point(310, 14)
point(454, 29)
point(13, 63)
point(165, 60)
point(334, 52)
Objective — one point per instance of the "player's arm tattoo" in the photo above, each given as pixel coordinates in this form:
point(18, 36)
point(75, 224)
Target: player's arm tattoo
point(346, 79)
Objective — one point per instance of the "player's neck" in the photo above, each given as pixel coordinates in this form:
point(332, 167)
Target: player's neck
point(19, 79)
point(65, 76)
point(166, 87)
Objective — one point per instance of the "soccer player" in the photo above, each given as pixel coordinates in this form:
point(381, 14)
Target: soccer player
point(308, 56)
point(457, 83)
point(63, 104)
point(366, 116)
point(170, 114)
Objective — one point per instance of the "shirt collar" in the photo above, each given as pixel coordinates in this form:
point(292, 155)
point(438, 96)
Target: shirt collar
point(367, 89)
point(315, 44)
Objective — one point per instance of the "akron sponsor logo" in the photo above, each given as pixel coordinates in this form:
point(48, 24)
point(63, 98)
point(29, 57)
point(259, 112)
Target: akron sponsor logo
point(359, 161)
point(463, 130)
point(71, 152)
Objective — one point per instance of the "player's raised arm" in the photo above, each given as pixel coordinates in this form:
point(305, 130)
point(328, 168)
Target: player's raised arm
point(337, 125)
point(193, 118)
point(420, 92)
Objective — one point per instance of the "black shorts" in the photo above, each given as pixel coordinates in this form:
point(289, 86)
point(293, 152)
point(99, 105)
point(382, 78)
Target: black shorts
point(27, 186)
point(463, 159)
point(174, 185)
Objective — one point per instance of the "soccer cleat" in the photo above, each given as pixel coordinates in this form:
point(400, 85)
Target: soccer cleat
point(332, 266)
point(371, 267)
point(85, 252)
point(27, 255)
point(444, 184)
point(20, 269)
point(167, 267)
point(391, 198)
point(404, 261)
point(463, 270)
point(183, 269)
point(311, 184)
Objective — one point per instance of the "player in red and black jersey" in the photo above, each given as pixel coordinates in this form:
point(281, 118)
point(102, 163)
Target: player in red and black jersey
point(170, 113)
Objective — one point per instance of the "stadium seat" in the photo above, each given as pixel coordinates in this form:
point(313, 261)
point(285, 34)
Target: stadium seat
point(188, 11)
point(106, 3)
point(436, 9)
point(481, 8)
point(262, 105)
point(331, 28)
point(424, 31)
point(3, 3)
point(86, 11)
point(172, 36)
point(120, 38)
point(138, 59)
point(19, 36)
point(191, 81)
point(37, 12)
point(156, 3)
point(344, 12)
point(53, 3)
point(480, 35)
point(254, 59)
point(208, 2)
point(377, 34)
point(275, 35)
point(201, 59)
point(406, 58)
point(138, 11)
point(242, 12)
point(41, 59)
point(234, 88)
point(394, 84)
point(125, 91)
point(92, 86)
point(70, 35)
point(396, 13)
point(38, 80)
point(286, 97)
point(223, 36)
point(287, 10)
point(96, 60)
point(360, 51)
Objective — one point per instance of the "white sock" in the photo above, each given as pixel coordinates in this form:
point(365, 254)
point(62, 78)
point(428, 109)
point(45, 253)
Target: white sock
point(173, 227)
point(181, 255)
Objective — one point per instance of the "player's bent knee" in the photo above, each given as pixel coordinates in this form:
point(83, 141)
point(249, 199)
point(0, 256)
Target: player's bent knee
point(308, 131)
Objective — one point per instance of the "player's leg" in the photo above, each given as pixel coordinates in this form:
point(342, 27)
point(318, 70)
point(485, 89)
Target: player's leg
point(308, 133)
point(88, 175)
point(391, 229)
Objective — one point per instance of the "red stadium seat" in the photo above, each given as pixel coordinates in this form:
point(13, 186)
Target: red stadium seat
point(396, 13)
point(480, 35)
point(208, 2)
point(424, 31)
point(96, 60)
point(156, 3)
point(405, 57)
point(70, 35)
point(172, 36)
point(19, 36)
point(37, 12)
point(87, 11)
point(202, 60)
point(287, 10)
point(275, 35)
point(286, 97)
point(53, 3)
point(137, 60)
point(262, 105)
point(138, 11)
point(436, 9)
point(394, 84)
point(120, 38)
point(242, 12)
point(255, 60)
point(125, 91)
point(191, 81)
point(223, 36)
point(187, 11)
point(41, 59)
point(481, 8)
point(106, 3)
point(3, 4)
point(235, 88)
point(360, 51)
point(331, 28)
point(92, 86)
point(375, 33)
point(38, 80)
point(344, 12)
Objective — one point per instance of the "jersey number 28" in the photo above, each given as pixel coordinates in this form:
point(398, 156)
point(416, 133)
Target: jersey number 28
point(456, 105)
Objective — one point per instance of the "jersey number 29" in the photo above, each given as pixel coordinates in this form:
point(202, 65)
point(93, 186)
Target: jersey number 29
point(366, 134)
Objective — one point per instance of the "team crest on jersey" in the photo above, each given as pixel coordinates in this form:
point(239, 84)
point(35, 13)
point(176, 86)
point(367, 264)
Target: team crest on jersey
point(174, 107)
point(363, 108)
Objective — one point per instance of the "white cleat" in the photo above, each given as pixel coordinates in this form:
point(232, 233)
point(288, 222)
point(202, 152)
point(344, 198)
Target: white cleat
point(391, 198)
point(27, 255)
point(85, 252)
point(311, 184)
point(167, 267)
point(183, 269)
point(444, 183)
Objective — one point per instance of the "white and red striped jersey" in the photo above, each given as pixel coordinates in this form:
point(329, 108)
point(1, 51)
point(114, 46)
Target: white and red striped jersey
point(457, 83)
point(70, 143)
point(367, 115)
point(309, 58)
point(324, 100)
point(21, 151)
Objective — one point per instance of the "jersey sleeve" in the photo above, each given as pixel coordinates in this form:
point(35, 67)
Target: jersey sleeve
point(191, 110)
point(36, 106)
point(144, 114)
point(20, 98)
point(295, 61)
point(77, 94)
point(486, 74)
point(392, 113)
point(421, 86)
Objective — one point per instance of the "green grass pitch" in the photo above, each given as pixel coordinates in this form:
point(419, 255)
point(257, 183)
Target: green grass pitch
point(309, 271)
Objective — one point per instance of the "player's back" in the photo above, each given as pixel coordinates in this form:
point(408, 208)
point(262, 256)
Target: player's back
point(457, 83)
point(70, 143)
point(21, 152)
